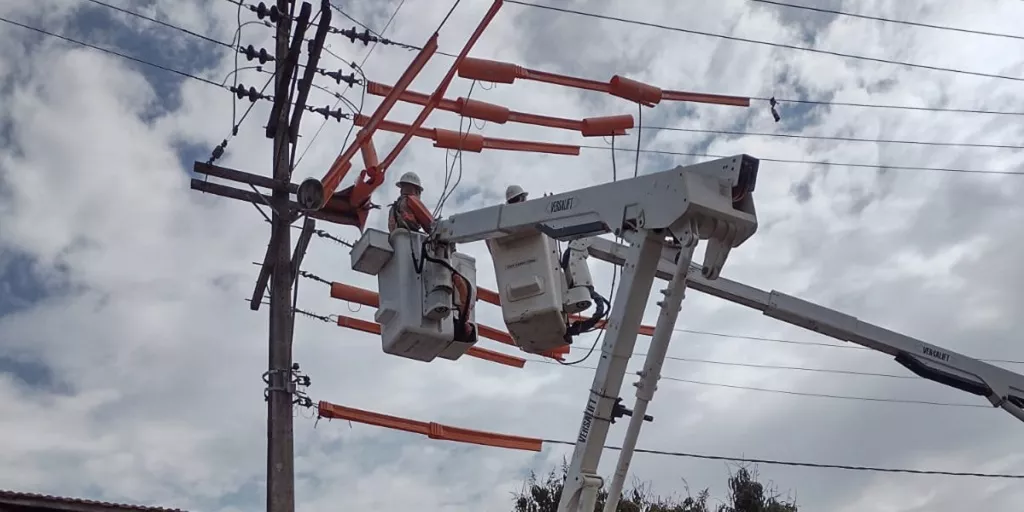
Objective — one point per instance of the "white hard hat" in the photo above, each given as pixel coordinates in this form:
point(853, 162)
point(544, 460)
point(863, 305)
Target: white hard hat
point(410, 178)
point(514, 191)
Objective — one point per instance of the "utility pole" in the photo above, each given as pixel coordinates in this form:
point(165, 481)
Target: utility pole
point(280, 438)
point(280, 267)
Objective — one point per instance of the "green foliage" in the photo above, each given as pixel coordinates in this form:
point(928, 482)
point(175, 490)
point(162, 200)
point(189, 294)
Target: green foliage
point(746, 494)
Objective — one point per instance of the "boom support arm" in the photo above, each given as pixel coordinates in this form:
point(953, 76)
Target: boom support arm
point(1002, 387)
point(714, 194)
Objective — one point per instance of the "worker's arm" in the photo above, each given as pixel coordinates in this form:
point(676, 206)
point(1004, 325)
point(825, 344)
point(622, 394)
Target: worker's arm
point(419, 212)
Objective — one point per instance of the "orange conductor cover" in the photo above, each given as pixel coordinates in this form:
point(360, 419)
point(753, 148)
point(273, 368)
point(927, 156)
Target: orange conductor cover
point(475, 109)
point(471, 141)
point(632, 90)
point(477, 352)
point(369, 298)
point(373, 177)
point(429, 429)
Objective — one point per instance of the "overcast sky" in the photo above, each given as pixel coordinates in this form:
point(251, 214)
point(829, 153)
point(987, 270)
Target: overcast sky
point(130, 365)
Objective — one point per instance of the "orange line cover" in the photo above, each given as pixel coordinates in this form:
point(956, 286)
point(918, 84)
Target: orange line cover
point(372, 177)
point(474, 142)
point(590, 127)
point(477, 352)
point(632, 90)
point(429, 429)
point(369, 298)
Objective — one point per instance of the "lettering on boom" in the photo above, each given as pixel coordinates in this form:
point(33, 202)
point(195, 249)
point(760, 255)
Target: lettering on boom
point(561, 205)
point(521, 263)
point(588, 419)
point(937, 354)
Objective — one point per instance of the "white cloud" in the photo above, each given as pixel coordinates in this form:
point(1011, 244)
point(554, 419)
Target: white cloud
point(159, 361)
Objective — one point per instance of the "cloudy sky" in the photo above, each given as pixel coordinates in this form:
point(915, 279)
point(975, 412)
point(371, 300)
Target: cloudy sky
point(130, 365)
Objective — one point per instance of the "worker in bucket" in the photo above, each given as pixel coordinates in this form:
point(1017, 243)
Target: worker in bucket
point(515, 194)
point(408, 212)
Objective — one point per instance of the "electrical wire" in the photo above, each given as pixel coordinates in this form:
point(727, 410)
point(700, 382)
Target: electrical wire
point(163, 23)
point(786, 392)
point(776, 462)
point(445, 192)
point(829, 103)
point(769, 43)
point(797, 393)
point(111, 52)
point(809, 343)
point(611, 293)
point(815, 162)
point(888, 20)
point(449, 15)
point(357, 68)
point(639, 132)
point(844, 139)
point(788, 368)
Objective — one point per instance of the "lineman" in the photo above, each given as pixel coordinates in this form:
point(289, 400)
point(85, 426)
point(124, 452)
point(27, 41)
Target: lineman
point(408, 212)
point(515, 194)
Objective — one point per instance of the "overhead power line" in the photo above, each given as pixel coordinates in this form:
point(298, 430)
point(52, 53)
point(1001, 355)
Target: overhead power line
point(775, 462)
point(379, 40)
point(848, 346)
point(782, 367)
point(769, 43)
point(112, 52)
point(891, 107)
point(832, 103)
point(843, 139)
point(163, 23)
point(795, 393)
point(816, 162)
point(888, 20)
point(767, 390)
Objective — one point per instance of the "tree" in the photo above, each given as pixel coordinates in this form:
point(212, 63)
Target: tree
point(746, 494)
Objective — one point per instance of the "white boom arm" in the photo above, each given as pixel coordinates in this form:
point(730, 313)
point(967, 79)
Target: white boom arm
point(1002, 387)
point(675, 208)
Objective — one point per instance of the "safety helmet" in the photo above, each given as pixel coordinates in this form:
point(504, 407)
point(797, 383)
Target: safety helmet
point(410, 178)
point(513, 192)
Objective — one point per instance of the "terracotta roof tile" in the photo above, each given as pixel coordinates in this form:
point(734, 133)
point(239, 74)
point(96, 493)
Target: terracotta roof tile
point(43, 500)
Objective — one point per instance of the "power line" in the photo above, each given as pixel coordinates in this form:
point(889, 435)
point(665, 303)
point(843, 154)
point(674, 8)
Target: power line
point(797, 393)
point(250, 52)
point(776, 462)
point(112, 52)
point(781, 367)
point(888, 20)
point(379, 40)
point(810, 343)
point(844, 139)
point(893, 107)
point(163, 23)
point(769, 43)
point(817, 162)
point(830, 103)
point(767, 390)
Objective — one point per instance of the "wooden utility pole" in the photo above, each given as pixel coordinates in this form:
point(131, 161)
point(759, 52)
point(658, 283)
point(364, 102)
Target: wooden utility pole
point(280, 440)
point(280, 267)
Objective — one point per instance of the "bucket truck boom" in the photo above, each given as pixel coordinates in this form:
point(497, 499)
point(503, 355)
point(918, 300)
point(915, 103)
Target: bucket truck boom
point(669, 210)
point(1001, 387)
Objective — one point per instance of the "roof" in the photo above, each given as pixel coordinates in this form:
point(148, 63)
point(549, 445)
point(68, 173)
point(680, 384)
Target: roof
point(46, 502)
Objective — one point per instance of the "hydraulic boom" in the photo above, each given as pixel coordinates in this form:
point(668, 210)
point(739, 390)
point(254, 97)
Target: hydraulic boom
point(1001, 387)
point(663, 216)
